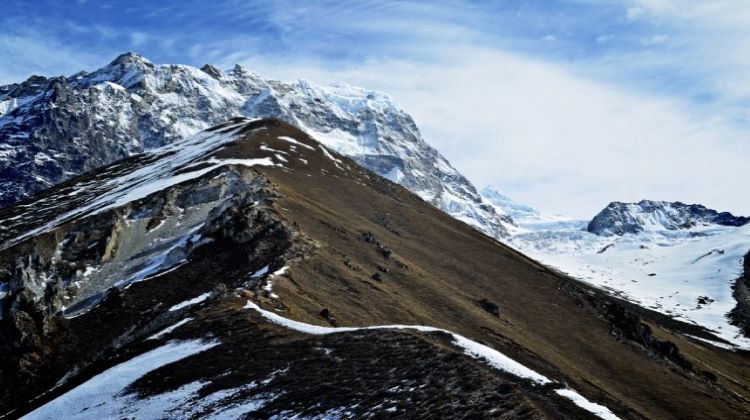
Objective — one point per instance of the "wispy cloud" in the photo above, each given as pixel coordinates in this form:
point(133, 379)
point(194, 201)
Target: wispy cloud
point(712, 37)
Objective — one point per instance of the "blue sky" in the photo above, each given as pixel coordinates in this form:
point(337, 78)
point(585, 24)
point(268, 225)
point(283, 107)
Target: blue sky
point(565, 104)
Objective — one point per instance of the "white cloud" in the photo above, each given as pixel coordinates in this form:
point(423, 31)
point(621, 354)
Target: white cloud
point(713, 35)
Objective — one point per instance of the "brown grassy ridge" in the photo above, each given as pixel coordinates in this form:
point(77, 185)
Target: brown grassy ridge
point(368, 252)
point(438, 270)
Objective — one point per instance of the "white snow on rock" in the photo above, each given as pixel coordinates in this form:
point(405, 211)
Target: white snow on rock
point(336, 162)
point(9, 104)
point(295, 141)
point(619, 218)
point(260, 273)
point(266, 161)
point(268, 286)
point(280, 271)
point(190, 302)
point(104, 397)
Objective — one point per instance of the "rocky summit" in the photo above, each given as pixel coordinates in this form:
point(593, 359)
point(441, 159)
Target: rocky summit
point(250, 271)
point(646, 215)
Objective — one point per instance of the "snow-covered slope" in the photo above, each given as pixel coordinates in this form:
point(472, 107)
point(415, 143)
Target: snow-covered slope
point(514, 209)
point(54, 128)
point(681, 260)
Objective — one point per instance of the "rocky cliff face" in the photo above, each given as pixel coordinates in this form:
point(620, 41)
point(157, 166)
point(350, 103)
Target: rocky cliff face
point(123, 225)
point(621, 218)
point(54, 128)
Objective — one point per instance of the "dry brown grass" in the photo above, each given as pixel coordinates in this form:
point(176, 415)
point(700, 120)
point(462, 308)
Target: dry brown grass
point(546, 321)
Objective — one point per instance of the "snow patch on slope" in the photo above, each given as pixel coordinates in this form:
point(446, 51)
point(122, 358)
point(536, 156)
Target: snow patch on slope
point(593, 408)
point(472, 348)
point(190, 302)
point(105, 396)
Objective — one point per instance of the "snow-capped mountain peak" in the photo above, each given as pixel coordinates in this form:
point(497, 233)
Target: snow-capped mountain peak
point(126, 70)
point(54, 128)
point(621, 218)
